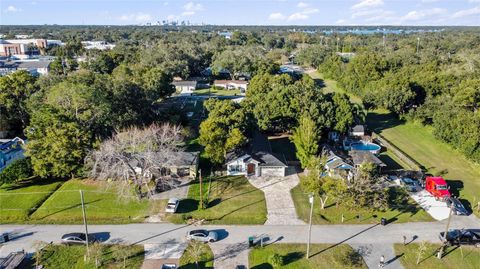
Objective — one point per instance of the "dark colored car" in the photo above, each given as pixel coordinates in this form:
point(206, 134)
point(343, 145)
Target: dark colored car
point(76, 239)
point(458, 208)
point(462, 237)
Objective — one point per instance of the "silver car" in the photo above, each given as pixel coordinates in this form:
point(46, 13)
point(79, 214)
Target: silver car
point(172, 205)
point(76, 239)
point(202, 236)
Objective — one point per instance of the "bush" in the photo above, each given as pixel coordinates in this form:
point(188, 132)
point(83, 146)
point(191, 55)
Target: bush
point(351, 259)
point(17, 170)
point(275, 260)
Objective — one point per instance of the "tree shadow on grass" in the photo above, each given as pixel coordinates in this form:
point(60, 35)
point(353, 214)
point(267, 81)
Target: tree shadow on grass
point(29, 182)
point(381, 121)
point(455, 187)
point(293, 257)
point(70, 207)
point(187, 205)
point(262, 266)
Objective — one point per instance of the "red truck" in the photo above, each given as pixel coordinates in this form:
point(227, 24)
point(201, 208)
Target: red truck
point(437, 186)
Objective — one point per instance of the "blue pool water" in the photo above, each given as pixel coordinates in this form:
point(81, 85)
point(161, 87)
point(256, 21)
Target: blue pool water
point(365, 146)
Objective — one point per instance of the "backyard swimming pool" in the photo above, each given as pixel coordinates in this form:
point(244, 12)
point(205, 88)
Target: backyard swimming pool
point(372, 147)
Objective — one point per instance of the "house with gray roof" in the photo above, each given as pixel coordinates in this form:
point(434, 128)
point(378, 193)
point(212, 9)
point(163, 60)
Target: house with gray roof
point(256, 159)
point(10, 150)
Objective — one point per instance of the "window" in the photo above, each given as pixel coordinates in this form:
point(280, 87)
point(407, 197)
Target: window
point(235, 168)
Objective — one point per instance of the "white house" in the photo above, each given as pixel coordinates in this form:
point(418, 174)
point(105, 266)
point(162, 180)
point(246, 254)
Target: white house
point(185, 87)
point(35, 67)
point(232, 84)
point(10, 150)
point(358, 130)
point(256, 160)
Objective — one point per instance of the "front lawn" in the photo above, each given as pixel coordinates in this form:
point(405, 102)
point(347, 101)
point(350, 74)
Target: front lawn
point(222, 92)
point(72, 257)
point(438, 158)
point(19, 200)
point(232, 200)
point(333, 215)
point(321, 256)
point(102, 202)
point(452, 257)
point(205, 261)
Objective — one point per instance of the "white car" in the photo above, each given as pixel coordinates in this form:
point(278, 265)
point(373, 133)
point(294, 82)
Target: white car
point(172, 205)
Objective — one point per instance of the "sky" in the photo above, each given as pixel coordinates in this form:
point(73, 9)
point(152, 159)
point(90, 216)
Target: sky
point(242, 12)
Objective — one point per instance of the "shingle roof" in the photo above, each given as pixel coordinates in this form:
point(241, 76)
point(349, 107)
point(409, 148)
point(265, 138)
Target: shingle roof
point(361, 156)
point(185, 83)
point(358, 128)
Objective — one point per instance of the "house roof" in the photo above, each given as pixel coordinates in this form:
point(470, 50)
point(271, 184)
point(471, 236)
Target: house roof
point(258, 150)
point(358, 128)
point(185, 83)
point(24, 64)
point(230, 81)
point(338, 163)
point(181, 158)
point(361, 156)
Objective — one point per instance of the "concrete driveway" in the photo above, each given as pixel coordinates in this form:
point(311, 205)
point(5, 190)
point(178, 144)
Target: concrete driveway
point(437, 209)
point(280, 207)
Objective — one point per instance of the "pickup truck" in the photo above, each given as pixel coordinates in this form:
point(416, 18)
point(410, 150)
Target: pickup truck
point(437, 186)
point(461, 237)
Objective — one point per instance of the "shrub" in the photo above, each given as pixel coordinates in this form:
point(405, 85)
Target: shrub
point(275, 260)
point(17, 170)
point(351, 259)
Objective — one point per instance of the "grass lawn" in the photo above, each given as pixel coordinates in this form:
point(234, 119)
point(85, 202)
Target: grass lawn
point(72, 257)
point(333, 215)
point(438, 158)
point(232, 200)
point(452, 259)
point(217, 92)
point(322, 256)
point(18, 201)
point(102, 203)
point(205, 261)
point(329, 85)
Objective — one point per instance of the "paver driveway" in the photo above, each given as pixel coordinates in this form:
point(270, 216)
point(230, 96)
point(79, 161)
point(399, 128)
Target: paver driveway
point(280, 207)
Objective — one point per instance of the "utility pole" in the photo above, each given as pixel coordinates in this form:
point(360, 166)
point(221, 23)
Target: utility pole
point(84, 220)
point(201, 189)
point(418, 44)
point(338, 40)
point(440, 253)
point(384, 42)
point(310, 199)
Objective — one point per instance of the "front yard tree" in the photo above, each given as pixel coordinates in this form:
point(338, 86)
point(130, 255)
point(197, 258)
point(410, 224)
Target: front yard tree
point(223, 130)
point(305, 138)
point(365, 192)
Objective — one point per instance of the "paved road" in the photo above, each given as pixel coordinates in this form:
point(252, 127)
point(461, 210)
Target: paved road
point(24, 236)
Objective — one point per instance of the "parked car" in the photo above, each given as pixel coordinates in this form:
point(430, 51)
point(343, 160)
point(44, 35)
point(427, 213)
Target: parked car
point(169, 266)
point(462, 237)
point(202, 236)
point(458, 208)
point(409, 184)
point(437, 186)
point(172, 205)
point(76, 239)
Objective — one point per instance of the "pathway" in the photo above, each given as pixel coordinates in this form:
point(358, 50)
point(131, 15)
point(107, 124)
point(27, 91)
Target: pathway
point(371, 254)
point(280, 207)
point(230, 255)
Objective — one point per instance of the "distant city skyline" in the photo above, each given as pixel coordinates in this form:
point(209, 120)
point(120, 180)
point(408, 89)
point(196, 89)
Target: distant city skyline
point(246, 12)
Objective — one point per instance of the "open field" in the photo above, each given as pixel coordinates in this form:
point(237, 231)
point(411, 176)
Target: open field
point(452, 257)
point(102, 202)
point(333, 215)
point(205, 261)
point(217, 92)
point(232, 200)
point(436, 157)
point(18, 201)
point(67, 257)
point(321, 256)
point(329, 85)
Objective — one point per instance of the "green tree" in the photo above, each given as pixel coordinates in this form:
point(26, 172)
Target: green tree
point(16, 170)
point(15, 90)
point(57, 145)
point(305, 138)
point(276, 260)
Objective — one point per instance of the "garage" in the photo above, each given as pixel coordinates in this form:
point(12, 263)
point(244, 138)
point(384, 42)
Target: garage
point(272, 171)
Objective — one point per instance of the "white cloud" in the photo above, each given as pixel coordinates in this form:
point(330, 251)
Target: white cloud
point(188, 13)
point(172, 17)
point(474, 1)
point(467, 12)
point(302, 5)
point(191, 6)
point(136, 17)
point(298, 16)
point(418, 15)
point(277, 16)
point(367, 4)
point(310, 11)
point(341, 21)
point(12, 9)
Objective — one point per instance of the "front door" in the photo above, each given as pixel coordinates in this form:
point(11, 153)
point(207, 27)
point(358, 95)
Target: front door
point(250, 168)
